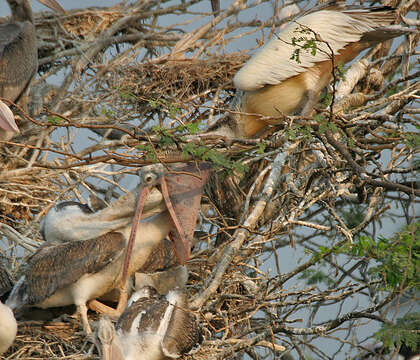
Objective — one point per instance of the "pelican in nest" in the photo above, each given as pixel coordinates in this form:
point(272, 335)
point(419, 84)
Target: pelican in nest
point(153, 327)
point(18, 58)
point(286, 76)
point(73, 220)
point(6, 282)
point(8, 328)
point(77, 272)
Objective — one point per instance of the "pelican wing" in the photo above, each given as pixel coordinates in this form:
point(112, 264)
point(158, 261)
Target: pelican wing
point(144, 314)
point(278, 60)
point(162, 257)
point(54, 267)
point(183, 331)
point(9, 33)
point(6, 283)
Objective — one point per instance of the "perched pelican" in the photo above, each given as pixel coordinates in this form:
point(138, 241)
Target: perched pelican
point(73, 221)
point(8, 327)
point(74, 272)
point(6, 282)
point(153, 327)
point(18, 56)
point(285, 78)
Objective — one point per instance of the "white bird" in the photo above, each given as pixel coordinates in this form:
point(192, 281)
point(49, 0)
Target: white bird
point(8, 328)
point(77, 271)
point(153, 327)
point(286, 76)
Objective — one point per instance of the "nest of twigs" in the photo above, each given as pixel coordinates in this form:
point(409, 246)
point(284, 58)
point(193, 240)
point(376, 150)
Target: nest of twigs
point(50, 340)
point(178, 88)
point(180, 80)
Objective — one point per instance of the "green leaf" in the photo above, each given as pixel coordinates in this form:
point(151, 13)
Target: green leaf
point(405, 330)
point(54, 120)
point(261, 147)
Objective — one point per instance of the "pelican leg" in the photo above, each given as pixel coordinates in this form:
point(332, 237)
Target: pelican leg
point(82, 310)
point(311, 98)
point(122, 301)
point(101, 308)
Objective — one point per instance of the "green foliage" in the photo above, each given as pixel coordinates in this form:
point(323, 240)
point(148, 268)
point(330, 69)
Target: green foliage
point(364, 246)
point(108, 113)
point(169, 137)
point(127, 95)
point(353, 215)
point(313, 276)
point(190, 128)
point(340, 71)
point(398, 258)
point(326, 99)
point(54, 120)
point(148, 150)
point(303, 42)
point(304, 132)
point(166, 136)
point(406, 330)
point(261, 147)
point(172, 109)
point(217, 158)
point(325, 125)
point(412, 140)
point(399, 264)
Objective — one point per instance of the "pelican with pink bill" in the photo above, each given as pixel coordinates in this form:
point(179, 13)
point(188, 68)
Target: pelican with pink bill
point(80, 271)
point(181, 188)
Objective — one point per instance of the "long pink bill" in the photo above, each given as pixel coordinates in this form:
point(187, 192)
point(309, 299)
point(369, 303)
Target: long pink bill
point(53, 5)
point(129, 249)
point(182, 246)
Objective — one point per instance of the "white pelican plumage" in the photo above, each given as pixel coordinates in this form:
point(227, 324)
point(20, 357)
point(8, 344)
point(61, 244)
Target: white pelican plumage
point(8, 328)
point(284, 78)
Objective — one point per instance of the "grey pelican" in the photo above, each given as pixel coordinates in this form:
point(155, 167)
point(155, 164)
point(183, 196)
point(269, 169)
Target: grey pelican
point(6, 282)
point(153, 327)
point(18, 56)
point(272, 83)
point(74, 272)
point(8, 328)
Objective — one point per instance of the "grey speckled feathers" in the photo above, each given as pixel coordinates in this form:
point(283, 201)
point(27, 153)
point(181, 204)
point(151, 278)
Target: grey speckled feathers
point(70, 262)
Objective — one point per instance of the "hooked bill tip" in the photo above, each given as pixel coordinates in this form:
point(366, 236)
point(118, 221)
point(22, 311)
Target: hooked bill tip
point(7, 119)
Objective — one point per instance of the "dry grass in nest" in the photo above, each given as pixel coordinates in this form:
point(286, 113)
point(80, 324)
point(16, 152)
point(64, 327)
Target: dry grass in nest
point(19, 201)
point(178, 81)
point(82, 24)
point(22, 196)
point(40, 340)
point(87, 23)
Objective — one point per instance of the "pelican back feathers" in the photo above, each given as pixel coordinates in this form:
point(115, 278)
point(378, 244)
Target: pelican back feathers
point(55, 266)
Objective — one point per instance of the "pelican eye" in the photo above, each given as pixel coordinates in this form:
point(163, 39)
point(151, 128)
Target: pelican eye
point(148, 178)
